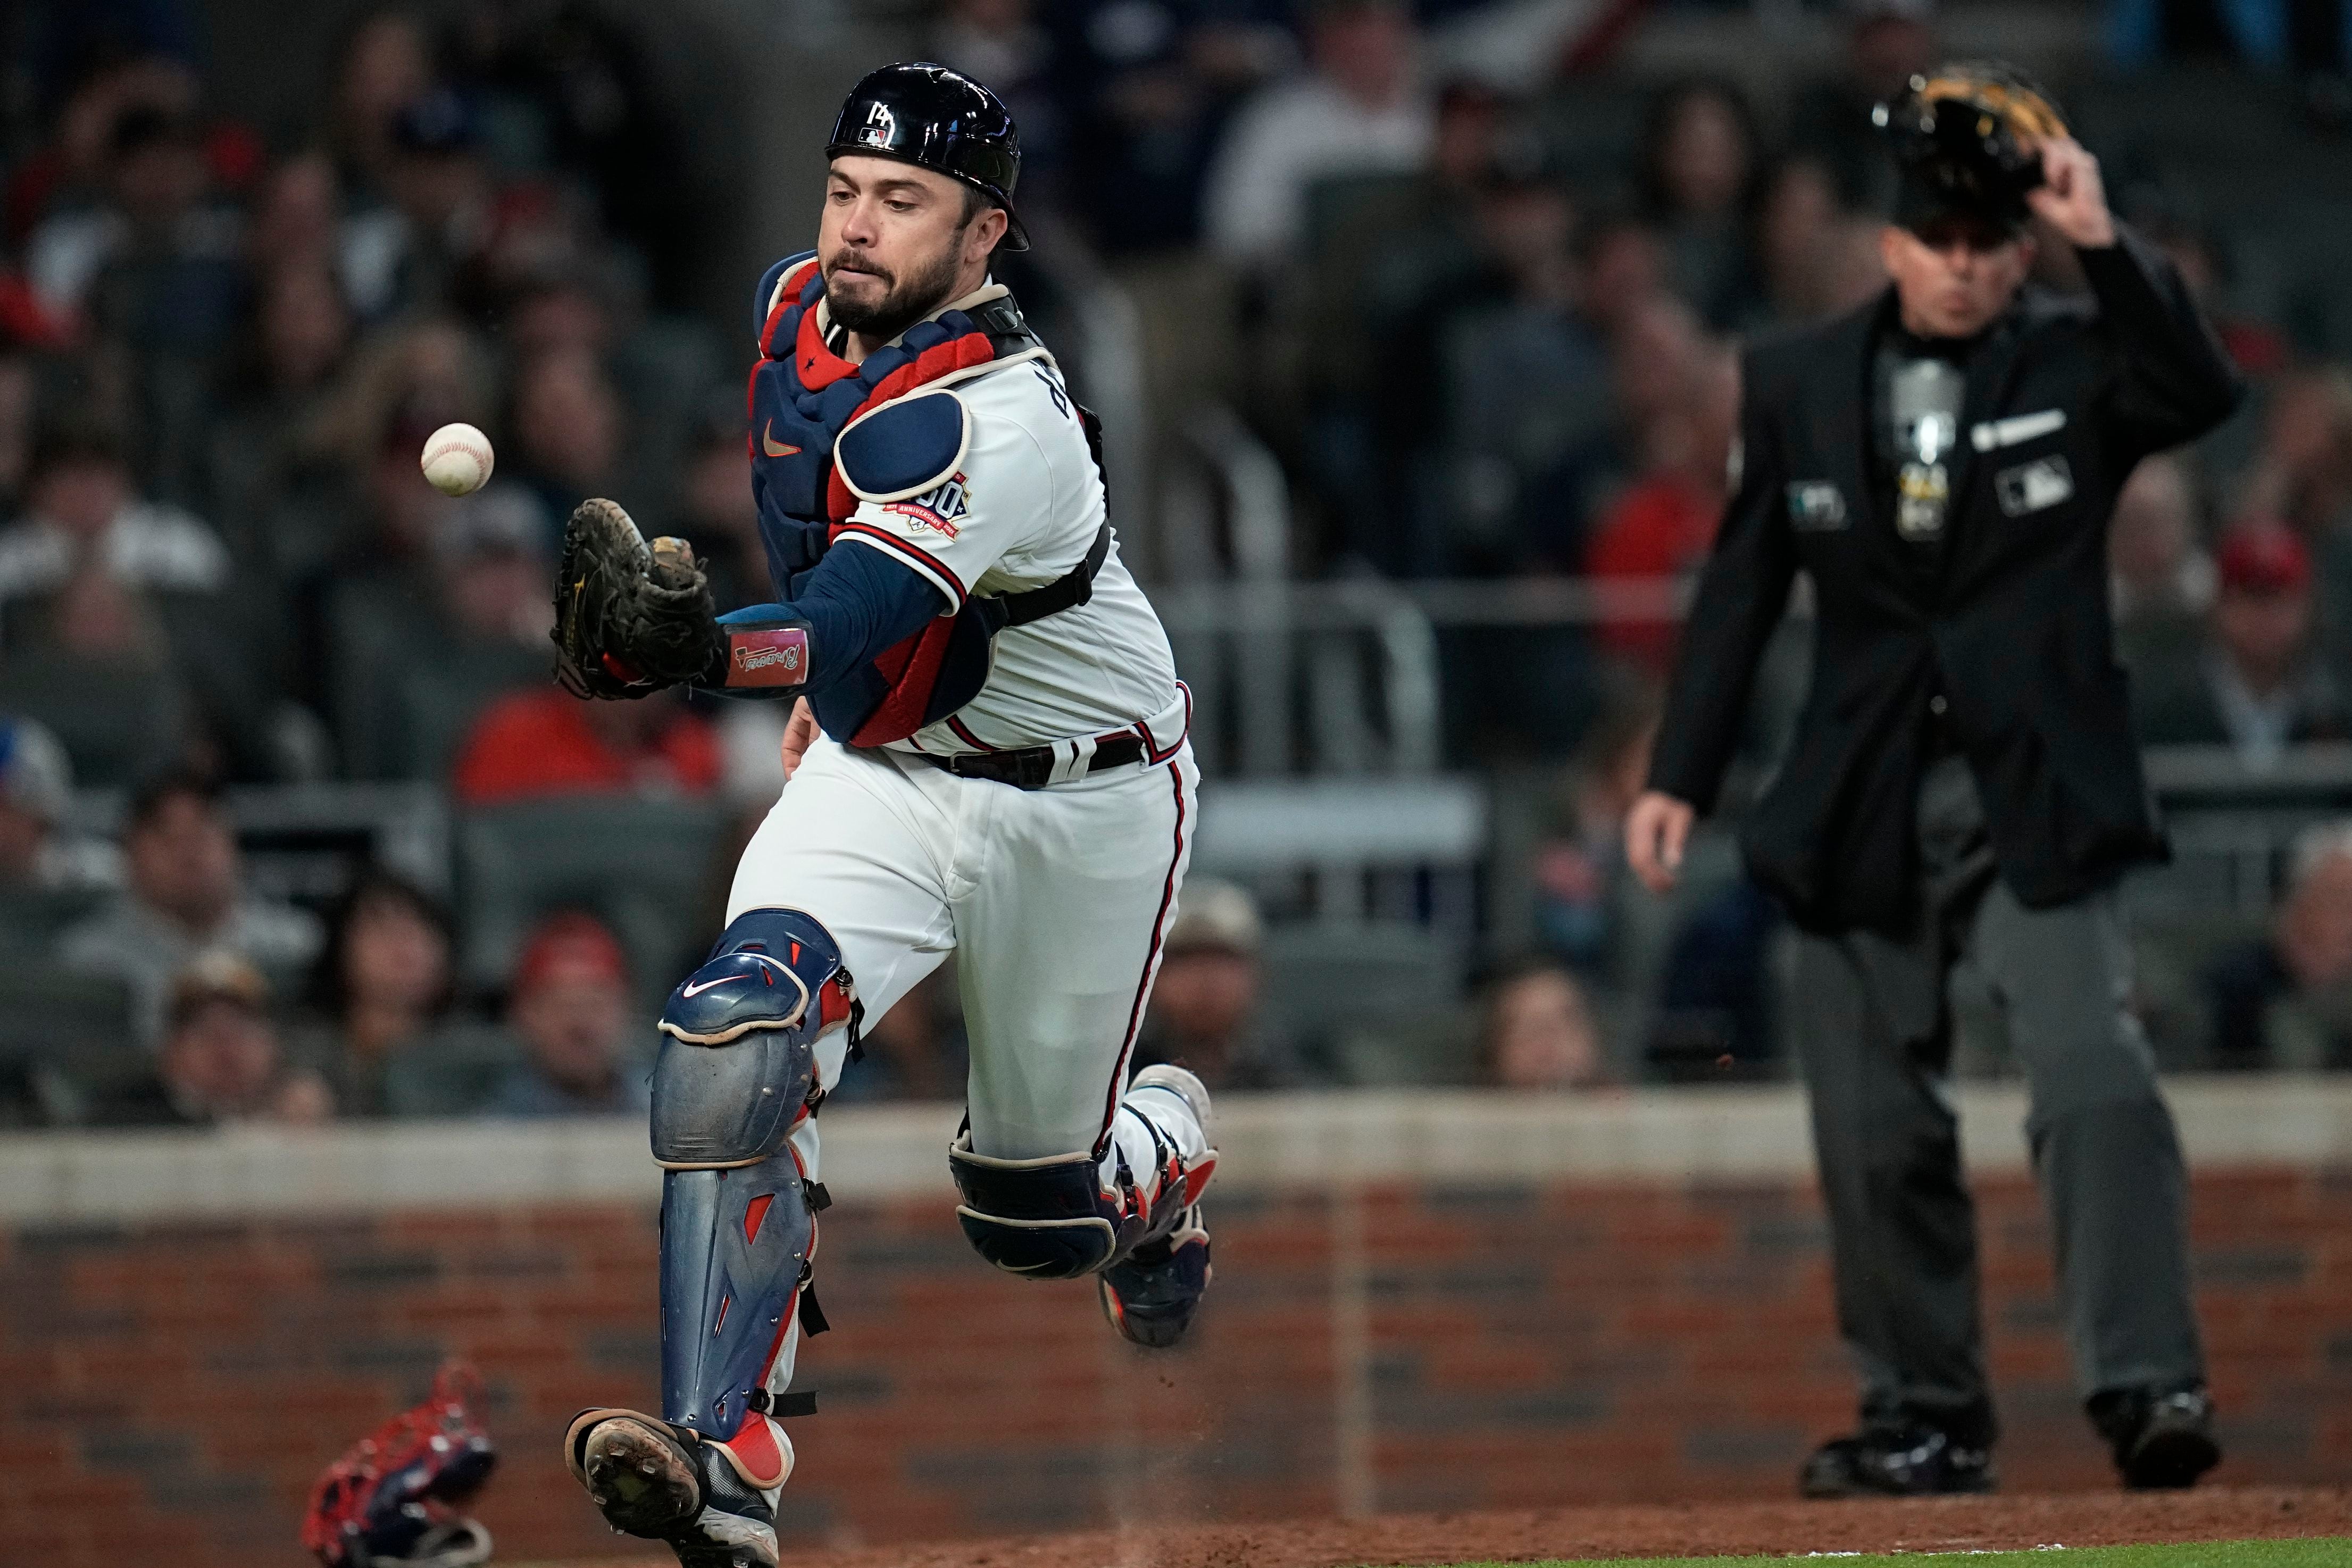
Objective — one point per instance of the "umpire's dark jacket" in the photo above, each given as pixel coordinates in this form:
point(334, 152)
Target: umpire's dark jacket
point(2014, 631)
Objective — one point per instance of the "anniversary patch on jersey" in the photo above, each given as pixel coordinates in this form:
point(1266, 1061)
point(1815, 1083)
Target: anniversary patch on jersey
point(941, 509)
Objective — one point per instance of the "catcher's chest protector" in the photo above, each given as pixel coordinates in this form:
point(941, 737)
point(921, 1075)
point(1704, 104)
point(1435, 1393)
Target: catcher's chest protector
point(802, 396)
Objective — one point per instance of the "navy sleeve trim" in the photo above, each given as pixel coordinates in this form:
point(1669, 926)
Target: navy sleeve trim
point(912, 555)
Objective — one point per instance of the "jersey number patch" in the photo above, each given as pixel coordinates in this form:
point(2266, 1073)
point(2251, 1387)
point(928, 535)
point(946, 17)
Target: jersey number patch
point(1054, 388)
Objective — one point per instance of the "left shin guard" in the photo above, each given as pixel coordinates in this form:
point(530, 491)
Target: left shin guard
point(735, 1253)
point(735, 1075)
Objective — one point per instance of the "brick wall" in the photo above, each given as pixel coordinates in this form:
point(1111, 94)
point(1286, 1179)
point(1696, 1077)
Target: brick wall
point(174, 1386)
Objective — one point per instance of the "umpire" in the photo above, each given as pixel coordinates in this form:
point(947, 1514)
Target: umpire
point(1963, 781)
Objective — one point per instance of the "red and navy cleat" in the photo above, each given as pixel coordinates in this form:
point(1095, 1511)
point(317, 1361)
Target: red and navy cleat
point(1149, 1296)
point(670, 1484)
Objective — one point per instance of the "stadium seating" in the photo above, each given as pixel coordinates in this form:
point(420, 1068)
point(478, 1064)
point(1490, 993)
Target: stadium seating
point(118, 719)
point(67, 1034)
point(641, 865)
point(1373, 1000)
point(453, 1071)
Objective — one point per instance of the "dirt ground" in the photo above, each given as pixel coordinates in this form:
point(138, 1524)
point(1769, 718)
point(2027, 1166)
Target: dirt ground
point(1941, 1524)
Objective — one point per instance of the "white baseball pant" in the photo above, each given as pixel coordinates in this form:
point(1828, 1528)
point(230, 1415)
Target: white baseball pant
point(1057, 900)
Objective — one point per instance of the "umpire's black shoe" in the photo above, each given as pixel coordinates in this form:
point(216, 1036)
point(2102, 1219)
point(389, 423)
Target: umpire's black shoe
point(2161, 1441)
point(1895, 1461)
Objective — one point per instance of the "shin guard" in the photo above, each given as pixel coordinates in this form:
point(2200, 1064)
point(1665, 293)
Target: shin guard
point(736, 1076)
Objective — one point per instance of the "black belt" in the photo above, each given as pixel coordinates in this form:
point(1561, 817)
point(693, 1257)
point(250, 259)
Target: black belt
point(1031, 767)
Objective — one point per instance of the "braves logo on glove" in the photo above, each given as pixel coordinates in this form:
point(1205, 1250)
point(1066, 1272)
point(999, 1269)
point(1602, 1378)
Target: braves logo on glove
point(940, 510)
point(777, 656)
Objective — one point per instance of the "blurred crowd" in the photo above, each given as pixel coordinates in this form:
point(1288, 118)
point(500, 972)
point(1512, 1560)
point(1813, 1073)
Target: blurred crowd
point(218, 362)
point(1481, 296)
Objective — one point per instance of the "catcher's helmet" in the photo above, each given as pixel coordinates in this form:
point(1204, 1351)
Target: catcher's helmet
point(1968, 139)
point(936, 119)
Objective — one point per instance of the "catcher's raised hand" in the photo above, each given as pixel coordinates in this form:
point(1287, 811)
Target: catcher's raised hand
point(630, 619)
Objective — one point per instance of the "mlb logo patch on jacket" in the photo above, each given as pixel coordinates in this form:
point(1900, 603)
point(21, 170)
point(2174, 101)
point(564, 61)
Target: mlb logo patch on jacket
point(1816, 505)
point(2031, 486)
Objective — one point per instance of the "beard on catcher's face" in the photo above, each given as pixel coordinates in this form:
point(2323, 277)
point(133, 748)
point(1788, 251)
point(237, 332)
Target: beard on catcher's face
point(878, 303)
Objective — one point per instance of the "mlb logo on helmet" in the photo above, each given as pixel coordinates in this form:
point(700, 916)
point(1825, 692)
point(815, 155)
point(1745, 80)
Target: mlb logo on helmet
point(773, 657)
point(939, 119)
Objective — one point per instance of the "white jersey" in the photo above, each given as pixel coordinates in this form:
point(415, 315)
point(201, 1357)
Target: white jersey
point(1056, 894)
point(1023, 507)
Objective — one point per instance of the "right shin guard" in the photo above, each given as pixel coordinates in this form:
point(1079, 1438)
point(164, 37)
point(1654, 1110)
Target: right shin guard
point(1069, 1215)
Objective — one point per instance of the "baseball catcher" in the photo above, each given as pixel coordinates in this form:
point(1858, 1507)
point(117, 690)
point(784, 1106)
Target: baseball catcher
point(987, 753)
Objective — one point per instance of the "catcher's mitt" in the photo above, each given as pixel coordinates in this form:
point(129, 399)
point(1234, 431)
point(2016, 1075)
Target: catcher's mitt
point(394, 1498)
point(630, 619)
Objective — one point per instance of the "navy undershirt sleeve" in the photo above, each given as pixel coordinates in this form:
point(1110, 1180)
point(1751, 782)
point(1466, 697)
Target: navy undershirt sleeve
point(857, 602)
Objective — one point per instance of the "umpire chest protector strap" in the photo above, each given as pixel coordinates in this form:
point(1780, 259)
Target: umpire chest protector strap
point(827, 434)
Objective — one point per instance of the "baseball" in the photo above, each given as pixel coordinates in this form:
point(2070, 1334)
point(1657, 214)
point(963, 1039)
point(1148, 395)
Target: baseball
point(457, 459)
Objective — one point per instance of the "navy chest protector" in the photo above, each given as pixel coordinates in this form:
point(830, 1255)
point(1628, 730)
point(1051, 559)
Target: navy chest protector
point(805, 398)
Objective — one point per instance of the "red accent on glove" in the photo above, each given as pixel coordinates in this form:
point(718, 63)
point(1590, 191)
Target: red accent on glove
point(430, 1441)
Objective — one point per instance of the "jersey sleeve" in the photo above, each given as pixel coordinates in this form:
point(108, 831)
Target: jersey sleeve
point(948, 485)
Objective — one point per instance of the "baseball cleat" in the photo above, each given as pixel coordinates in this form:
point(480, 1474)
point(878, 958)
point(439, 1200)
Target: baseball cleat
point(1149, 1296)
point(666, 1483)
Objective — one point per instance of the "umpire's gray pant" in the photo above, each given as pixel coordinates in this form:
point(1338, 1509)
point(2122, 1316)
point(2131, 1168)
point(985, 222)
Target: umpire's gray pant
point(1875, 1038)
